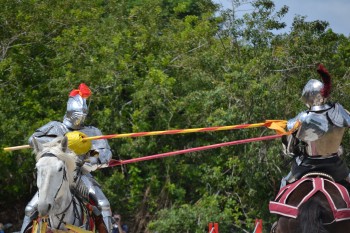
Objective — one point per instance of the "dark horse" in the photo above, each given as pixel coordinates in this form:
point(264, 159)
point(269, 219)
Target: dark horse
point(313, 204)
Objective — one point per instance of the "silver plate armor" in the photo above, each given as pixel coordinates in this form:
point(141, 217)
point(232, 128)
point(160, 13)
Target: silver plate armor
point(313, 126)
point(49, 131)
point(316, 142)
point(76, 112)
point(54, 129)
point(100, 148)
point(99, 154)
point(300, 117)
point(339, 116)
point(322, 131)
point(311, 94)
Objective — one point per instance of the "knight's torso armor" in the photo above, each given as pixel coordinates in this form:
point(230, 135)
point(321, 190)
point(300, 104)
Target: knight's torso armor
point(55, 129)
point(321, 129)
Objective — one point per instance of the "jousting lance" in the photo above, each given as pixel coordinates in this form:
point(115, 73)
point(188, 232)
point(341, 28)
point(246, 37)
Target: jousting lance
point(114, 162)
point(277, 125)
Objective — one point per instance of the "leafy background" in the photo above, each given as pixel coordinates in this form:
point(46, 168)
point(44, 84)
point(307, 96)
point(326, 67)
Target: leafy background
point(156, 65)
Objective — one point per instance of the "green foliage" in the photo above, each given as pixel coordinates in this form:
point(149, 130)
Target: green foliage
point(157, 65)
point(192, 218)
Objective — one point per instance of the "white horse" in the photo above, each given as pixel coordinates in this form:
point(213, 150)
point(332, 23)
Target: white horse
point(56, 170)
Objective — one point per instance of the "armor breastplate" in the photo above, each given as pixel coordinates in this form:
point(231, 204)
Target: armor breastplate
point(323, 131)
point(55, 129)
point(328, 144)
point(313, 127)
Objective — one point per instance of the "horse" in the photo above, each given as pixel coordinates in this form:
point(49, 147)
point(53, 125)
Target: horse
point(313, 204)
point(59, 207)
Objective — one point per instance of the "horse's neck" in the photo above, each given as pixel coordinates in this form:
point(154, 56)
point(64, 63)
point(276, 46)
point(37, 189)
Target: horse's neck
point(64, 212)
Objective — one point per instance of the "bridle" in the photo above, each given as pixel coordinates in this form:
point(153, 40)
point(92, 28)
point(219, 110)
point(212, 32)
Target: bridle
point(64, 171)
point(63, 179)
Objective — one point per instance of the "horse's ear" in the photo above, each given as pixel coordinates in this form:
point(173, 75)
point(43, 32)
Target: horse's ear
point(64, 144)
point(36, 145)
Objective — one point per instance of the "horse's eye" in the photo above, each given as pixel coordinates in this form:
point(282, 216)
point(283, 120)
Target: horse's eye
point(61, 168)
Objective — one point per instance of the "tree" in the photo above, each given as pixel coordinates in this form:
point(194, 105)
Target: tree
point(157, 65)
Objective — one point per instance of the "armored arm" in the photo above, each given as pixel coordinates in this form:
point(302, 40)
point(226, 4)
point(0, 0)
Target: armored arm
point(100, 152)
point(291, 123)
point(292, 145)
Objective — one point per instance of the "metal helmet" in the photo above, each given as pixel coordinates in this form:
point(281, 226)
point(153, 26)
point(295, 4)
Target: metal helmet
point(77, 108)
point(315, 92)
point(312, 95)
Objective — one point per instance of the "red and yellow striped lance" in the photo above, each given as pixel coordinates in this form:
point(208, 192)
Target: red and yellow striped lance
point(277, 125)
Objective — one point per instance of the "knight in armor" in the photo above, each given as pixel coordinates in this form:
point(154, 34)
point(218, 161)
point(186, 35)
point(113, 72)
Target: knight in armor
point(98, 155)
point(315, 144)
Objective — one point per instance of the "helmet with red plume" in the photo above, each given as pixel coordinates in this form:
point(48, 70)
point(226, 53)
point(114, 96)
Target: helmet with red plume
point(77, 108)
point(315, 92)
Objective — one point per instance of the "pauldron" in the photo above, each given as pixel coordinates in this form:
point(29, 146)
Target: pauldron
point(49, 131)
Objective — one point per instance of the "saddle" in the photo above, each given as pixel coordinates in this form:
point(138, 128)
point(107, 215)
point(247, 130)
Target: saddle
point(323, 184)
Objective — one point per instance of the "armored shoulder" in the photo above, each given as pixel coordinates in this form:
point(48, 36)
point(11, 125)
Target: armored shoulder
point(47, 132)
point(91, 131)
point(339, 116)
point(300, 117)
point(313, 126)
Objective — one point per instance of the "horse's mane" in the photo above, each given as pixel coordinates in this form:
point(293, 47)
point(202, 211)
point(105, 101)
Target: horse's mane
point(68, 156)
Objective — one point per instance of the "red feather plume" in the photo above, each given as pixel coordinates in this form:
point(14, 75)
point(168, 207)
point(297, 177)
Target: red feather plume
point(84, 91)
point(326, 78)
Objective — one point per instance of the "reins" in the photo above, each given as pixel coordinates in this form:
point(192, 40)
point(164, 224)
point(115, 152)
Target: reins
point(64, 178)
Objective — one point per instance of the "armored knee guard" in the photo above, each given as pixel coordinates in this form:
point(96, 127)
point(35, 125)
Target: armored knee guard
point(106, 212)
point(96, 194)
point(30, 212)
